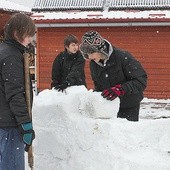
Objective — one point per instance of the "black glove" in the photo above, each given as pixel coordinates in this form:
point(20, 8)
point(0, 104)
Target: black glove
point(57, 86)
point(62, 87)
point(28, 134)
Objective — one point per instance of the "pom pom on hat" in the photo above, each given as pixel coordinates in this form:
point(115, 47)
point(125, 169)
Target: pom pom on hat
point(92, 42)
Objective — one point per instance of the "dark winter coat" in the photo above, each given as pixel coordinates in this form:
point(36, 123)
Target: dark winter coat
point(13, 109)
point(68, 68)
point(121, 68)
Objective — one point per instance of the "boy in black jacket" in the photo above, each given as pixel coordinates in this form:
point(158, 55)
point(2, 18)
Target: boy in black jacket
point(15, 123)
point(68, 66)
point(116, 73)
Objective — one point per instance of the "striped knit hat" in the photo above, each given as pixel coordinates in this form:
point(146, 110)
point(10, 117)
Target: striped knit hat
point(92, 42)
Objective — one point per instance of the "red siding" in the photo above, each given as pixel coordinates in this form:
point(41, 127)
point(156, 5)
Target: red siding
point(150, 45)
point(3, 19)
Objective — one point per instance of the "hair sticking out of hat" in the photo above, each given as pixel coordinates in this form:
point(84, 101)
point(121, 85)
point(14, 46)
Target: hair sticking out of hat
point(92, 42)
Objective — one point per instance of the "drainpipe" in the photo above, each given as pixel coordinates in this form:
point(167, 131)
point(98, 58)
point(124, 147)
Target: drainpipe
point(35, 83)
point(35, 66)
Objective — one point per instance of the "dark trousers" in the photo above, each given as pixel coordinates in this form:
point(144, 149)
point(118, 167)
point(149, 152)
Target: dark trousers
point(11, 149)
point(131, 114)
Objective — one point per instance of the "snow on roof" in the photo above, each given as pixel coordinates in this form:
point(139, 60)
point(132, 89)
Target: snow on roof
point(154, 4)
point(55, 5)
point(52, 5)
point(102, 15)
point(11, 6)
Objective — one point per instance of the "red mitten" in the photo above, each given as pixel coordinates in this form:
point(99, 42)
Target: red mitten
point(113, 92)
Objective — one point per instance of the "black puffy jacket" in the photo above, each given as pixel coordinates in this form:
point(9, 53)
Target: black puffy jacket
point(13, 109)
point(121, 68)
point(68, 67)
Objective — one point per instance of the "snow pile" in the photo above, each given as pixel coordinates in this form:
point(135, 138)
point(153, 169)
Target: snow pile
point(76, 101)
point(78, 130)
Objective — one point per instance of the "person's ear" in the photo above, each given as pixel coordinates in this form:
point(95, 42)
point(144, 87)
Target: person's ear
point(15, 35)
point(66, 47)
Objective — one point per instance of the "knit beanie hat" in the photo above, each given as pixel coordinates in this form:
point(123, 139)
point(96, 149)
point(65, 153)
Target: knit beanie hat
point(92, 42)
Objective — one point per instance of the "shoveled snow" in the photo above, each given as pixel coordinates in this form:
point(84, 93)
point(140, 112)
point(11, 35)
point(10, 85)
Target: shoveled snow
point(78, 130)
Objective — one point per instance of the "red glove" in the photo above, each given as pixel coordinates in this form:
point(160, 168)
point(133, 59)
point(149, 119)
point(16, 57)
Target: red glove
point(113, 92)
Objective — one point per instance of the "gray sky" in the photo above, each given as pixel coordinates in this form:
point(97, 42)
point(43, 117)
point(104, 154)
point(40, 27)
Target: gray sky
point(29, 3)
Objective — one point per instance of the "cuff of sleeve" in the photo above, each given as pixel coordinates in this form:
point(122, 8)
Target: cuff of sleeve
point(126, 89)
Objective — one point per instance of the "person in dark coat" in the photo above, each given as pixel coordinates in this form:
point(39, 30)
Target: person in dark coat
point(68, 66)
point(16, 130)
point(116, 73)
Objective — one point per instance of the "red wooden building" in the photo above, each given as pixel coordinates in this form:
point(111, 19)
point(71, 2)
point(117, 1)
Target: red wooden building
point(142, 29)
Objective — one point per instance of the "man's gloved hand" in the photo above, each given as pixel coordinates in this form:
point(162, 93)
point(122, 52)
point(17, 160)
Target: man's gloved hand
point(57, 86)
point(28, 134)
point(113, 92)
point(62, 87)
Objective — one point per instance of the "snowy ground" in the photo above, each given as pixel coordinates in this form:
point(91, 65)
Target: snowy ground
point(78, 130)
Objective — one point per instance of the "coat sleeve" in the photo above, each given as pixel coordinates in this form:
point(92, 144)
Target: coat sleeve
point(14, 84)
point(135, 74)
point(76, 74)
point(56, 72)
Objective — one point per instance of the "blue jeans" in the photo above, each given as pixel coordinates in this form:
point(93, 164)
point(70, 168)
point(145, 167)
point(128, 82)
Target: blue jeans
point(11, 149)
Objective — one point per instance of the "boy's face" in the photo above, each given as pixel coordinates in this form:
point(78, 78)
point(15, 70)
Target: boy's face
point(27, 40)
point(96, 56)
point(72, 48)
